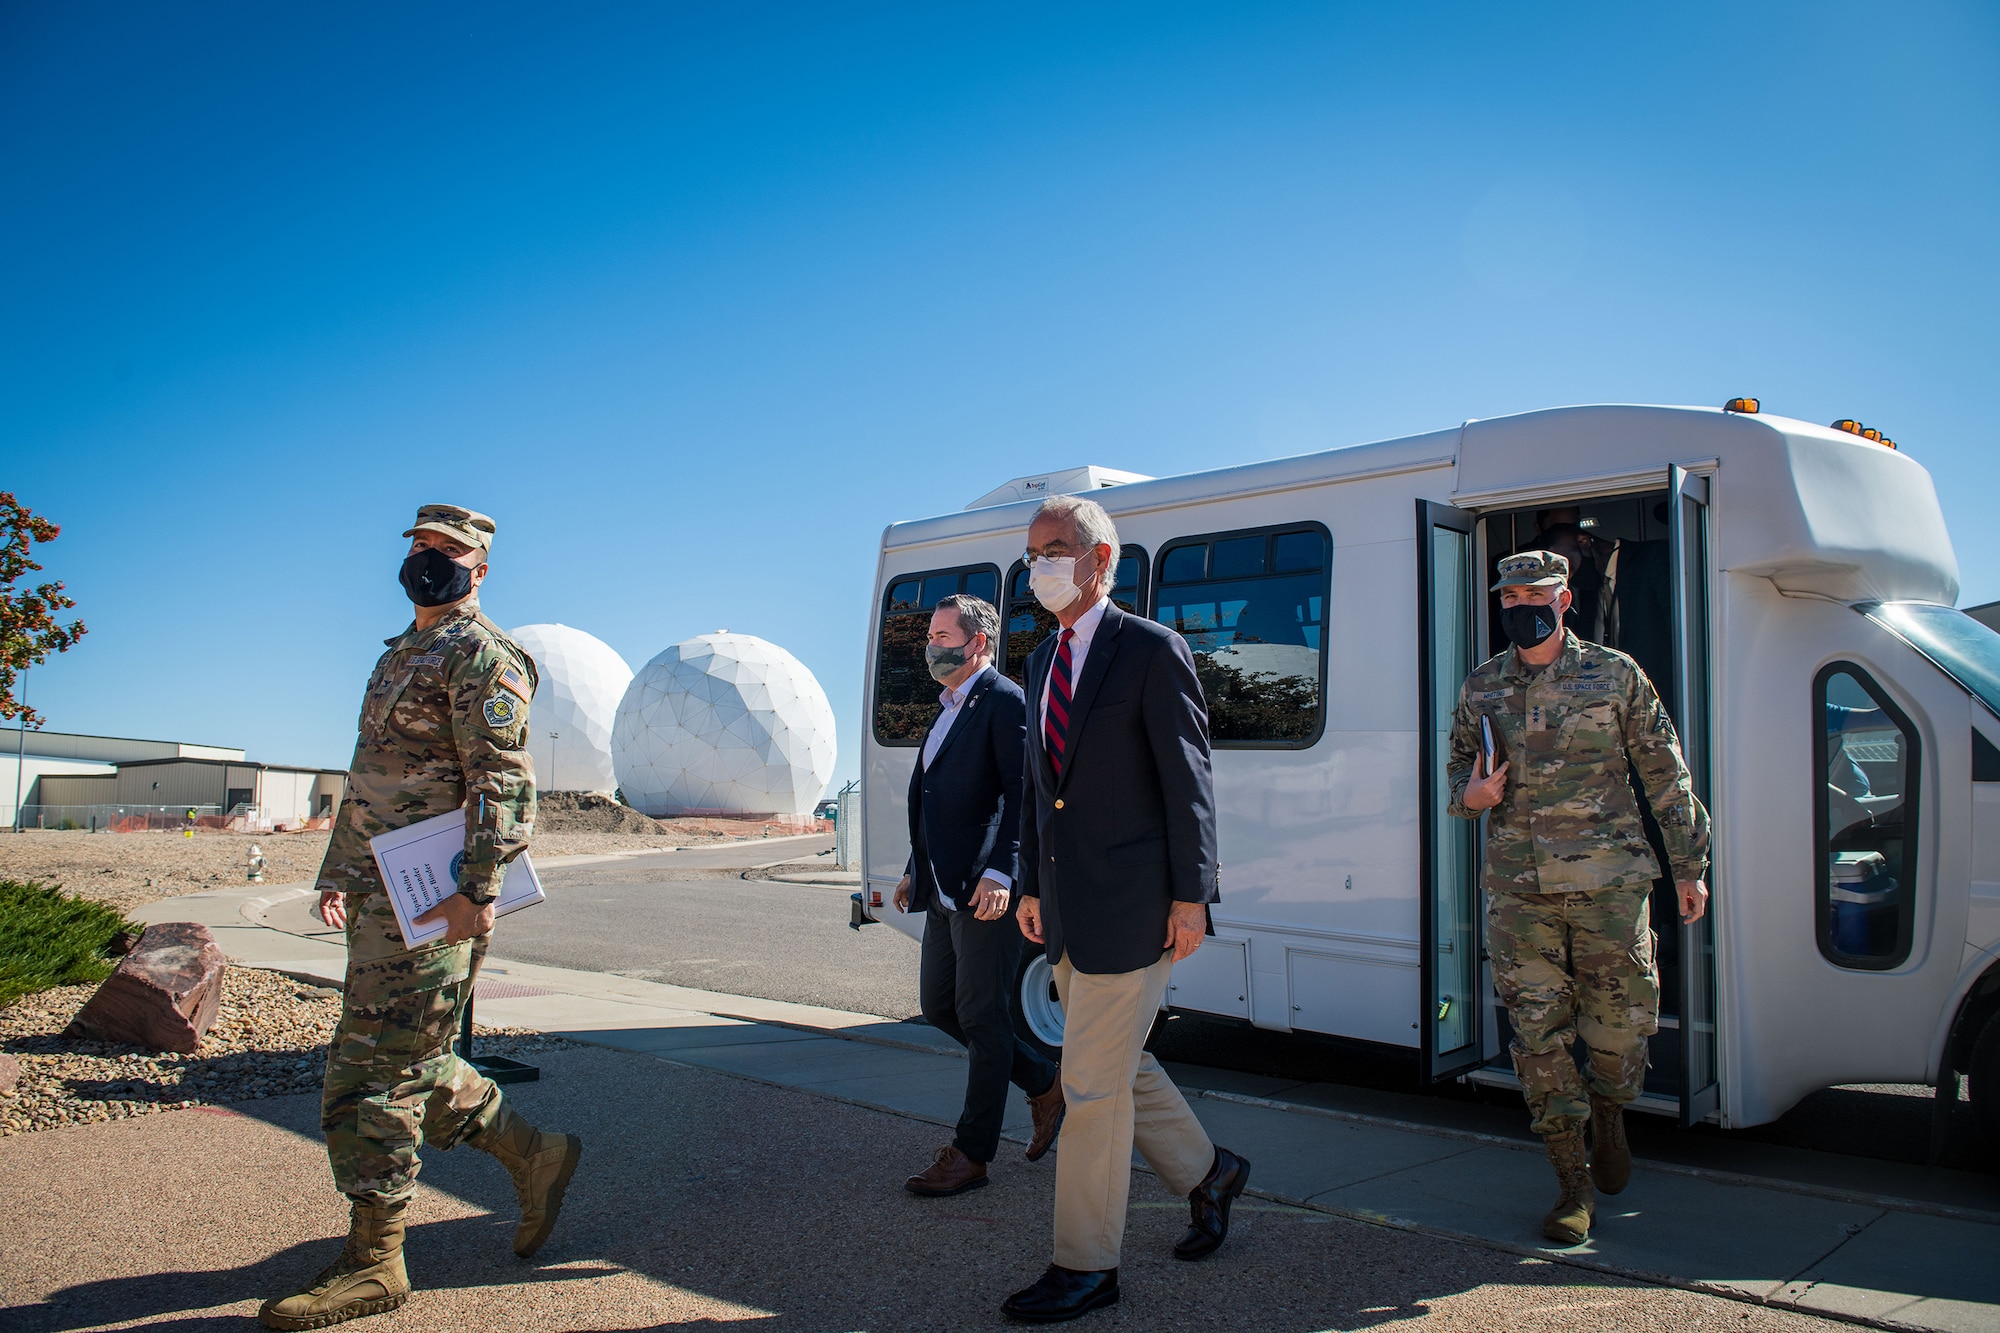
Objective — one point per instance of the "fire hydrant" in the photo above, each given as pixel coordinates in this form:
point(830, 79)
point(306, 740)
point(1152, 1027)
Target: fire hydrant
point(256, 864)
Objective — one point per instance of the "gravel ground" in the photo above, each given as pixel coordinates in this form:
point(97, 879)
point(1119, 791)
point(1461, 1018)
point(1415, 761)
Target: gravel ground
point(126, 869)
point(715, 1203)
point(269, 1040)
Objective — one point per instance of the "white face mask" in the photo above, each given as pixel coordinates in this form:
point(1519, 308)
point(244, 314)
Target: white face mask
point(1053, 581)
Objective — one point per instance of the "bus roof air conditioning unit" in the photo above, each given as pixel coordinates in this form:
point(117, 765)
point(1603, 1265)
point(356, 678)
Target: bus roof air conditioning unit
point(1067, 481)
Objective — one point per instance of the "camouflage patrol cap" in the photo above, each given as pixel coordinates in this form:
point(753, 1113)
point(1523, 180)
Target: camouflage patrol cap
point(458, 523)
point(1533, 569)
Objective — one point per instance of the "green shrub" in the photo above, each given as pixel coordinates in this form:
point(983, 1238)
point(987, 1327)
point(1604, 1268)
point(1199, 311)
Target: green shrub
point(50, 939)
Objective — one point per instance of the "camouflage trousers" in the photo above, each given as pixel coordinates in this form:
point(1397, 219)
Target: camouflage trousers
point(392, 1077)
point(1570, 966)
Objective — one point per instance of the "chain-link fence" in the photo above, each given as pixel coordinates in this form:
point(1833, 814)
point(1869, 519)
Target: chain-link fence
point(117, 818)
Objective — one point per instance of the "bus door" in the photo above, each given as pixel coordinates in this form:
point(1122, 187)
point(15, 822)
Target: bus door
point(1688, 547)
point(1450, 1025)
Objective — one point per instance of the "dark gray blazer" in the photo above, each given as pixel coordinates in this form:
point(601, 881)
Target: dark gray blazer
point(965, 809)
point(1136, 828)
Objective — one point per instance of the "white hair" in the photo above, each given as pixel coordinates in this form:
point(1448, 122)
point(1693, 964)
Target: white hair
point(1088, 523)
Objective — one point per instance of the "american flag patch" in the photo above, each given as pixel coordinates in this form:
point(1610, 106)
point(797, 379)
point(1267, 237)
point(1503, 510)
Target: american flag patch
point(516, 682)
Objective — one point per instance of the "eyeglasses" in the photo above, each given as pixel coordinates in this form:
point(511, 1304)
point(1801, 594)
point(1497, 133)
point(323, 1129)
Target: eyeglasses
point(1053, 551)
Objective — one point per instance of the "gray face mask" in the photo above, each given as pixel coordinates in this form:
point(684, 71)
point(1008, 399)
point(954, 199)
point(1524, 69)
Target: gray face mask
point(943, 661)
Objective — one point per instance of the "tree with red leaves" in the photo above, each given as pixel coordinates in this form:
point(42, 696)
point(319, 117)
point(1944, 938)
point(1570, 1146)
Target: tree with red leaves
point(29, 630)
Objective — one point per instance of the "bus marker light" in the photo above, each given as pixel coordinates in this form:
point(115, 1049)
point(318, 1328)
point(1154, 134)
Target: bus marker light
point(1742, 405)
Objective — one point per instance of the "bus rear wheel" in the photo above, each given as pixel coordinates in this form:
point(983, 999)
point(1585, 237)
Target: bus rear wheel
point(1983, 1078)
point(1038, 1012)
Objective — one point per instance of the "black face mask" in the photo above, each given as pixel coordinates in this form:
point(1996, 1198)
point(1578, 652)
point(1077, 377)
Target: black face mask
point(433, 578)
point(1526, 626)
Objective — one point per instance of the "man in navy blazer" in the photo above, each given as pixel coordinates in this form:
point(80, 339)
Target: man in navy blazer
point(965, 822)
point(1117, 868)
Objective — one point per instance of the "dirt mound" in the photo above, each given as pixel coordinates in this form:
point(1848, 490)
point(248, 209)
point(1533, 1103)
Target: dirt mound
point(589, 812)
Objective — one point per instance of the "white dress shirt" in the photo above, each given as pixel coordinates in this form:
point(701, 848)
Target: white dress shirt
point(1082, 632)
point(952, 701)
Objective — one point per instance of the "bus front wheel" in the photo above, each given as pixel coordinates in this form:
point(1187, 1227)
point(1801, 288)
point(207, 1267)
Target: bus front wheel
point(1038, 1012)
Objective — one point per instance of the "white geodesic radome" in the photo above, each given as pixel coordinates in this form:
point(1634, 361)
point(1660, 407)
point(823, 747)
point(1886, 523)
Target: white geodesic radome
point(723, 724)
point(582, 680)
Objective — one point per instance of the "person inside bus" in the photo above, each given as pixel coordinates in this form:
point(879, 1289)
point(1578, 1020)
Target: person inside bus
point(1843, 770)
point(965, 829)
point(1593, 567)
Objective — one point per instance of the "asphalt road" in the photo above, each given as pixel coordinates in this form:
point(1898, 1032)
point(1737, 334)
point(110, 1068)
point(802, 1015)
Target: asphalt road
point(689, 918)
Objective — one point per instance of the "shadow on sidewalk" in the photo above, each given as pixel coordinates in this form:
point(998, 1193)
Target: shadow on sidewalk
point(706, 1201)
point(153, 1295)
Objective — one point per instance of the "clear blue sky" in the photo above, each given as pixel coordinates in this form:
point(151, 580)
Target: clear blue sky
point(695, 298)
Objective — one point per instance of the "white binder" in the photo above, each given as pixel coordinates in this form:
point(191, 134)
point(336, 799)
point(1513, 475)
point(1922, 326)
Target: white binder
point(419, 865)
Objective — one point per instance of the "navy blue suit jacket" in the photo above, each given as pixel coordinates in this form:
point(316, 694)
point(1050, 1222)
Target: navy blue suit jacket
point(965, 809)
point(1129, 828)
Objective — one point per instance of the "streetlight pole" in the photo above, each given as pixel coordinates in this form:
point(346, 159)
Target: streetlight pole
point(21, 751)
point(554, 736)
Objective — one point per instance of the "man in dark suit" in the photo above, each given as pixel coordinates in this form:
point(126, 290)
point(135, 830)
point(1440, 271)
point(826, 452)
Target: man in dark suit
point(1117, 868)
point(965, 827)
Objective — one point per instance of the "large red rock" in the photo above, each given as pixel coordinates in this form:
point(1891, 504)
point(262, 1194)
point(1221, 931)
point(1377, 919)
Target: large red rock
point(10, 1073)
point(164, 994)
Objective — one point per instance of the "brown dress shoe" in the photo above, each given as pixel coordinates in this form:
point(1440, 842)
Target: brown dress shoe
point(952, 1173)
point(1047, 1110)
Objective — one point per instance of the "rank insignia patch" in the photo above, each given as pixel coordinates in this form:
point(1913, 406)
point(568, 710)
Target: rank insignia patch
point(501, 711)
point(514, 681)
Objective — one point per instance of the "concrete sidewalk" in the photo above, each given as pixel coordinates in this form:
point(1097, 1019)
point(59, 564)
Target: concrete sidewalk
point(1853, 1254)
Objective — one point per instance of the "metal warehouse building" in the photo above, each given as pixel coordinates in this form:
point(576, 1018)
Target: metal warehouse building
point(64, 777)
point(285, 794)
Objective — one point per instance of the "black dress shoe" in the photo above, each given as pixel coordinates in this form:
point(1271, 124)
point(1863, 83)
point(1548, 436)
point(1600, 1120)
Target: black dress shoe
point(1208, 1206)
point(1062, 1293)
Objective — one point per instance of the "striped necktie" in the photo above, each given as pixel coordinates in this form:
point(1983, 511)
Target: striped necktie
point(1055, 719)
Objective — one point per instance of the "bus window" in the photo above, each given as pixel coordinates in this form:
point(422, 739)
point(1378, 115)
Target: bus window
point(905, 694)
point(1251, 606)
point(1865, 770)
point(1027, 622)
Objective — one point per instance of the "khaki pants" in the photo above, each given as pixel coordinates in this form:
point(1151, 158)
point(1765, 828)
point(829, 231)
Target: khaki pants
point(1118, 1098)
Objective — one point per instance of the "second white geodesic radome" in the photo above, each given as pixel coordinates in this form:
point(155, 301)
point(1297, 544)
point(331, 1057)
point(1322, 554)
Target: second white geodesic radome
point(582, 678)
point(723, 724)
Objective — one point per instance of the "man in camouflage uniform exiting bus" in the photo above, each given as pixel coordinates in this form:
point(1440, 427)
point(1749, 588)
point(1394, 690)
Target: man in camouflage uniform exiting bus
point(444, 726)
point(1569, 873)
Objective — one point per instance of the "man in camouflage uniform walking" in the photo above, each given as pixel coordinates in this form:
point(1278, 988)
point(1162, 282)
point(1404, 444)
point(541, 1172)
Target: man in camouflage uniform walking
point(444, 726)
point(1569, 873)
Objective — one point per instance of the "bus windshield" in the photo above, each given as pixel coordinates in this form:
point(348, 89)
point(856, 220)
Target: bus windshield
point(1957, 644)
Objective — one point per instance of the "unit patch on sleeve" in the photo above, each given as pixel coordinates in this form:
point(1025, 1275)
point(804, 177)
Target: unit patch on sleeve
point(501, 712)
point(514, 681)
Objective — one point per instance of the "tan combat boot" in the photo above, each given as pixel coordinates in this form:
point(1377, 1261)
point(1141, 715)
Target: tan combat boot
point(1610, 1154)
point(366, 1279)
point(1568, 1223)
point(541, 1165)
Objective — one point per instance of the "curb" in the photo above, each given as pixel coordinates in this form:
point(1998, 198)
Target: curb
point(1833, 1194)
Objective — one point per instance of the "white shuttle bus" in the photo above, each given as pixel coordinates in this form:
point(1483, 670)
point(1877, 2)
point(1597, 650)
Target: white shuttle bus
point(1789, 589)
